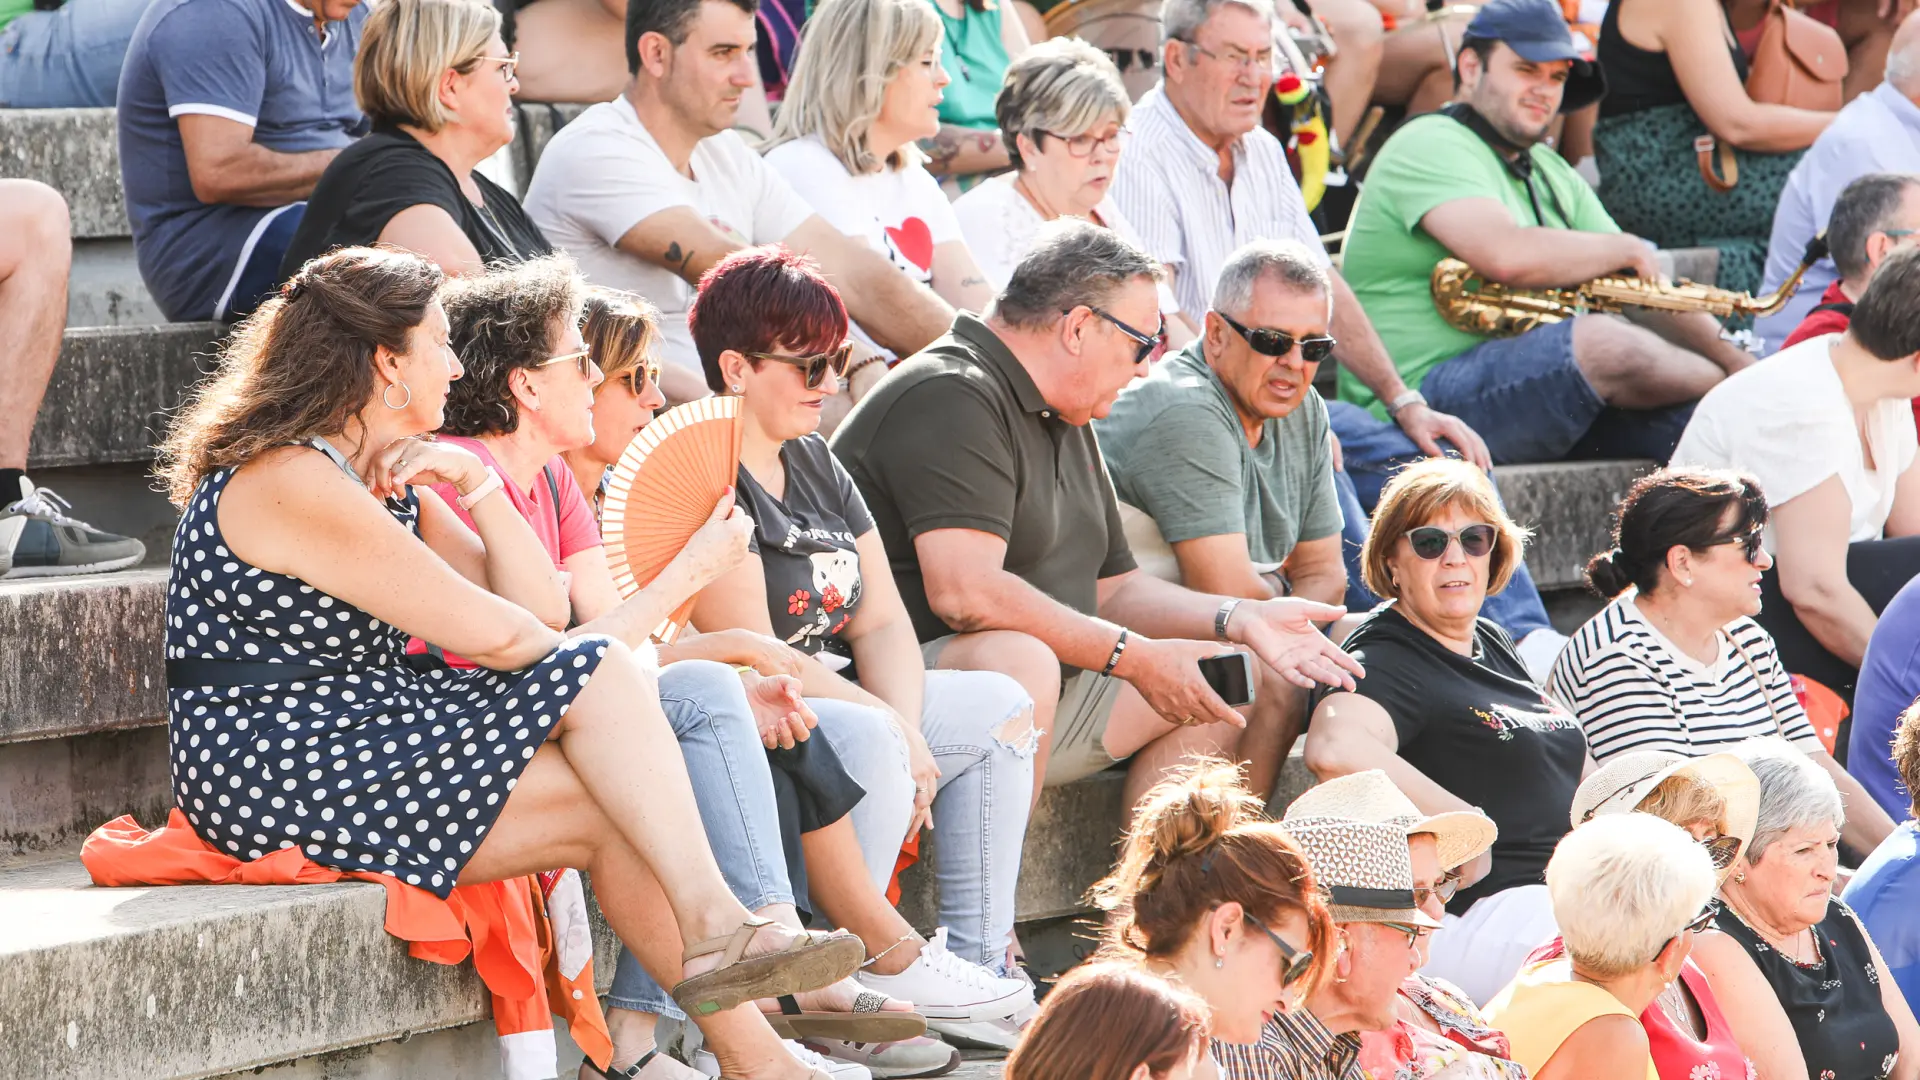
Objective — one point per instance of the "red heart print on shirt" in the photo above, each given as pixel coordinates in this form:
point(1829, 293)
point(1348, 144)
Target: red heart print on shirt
point(914, 241)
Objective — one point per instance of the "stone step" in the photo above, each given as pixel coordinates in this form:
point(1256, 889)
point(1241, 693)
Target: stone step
point(110, 386)
point(77, 153)
point(104, 288)
point(1569, 506)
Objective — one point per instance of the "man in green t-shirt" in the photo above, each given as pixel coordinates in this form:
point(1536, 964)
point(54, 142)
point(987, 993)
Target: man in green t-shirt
point(1476, 182)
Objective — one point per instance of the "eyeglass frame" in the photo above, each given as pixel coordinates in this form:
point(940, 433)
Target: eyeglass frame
point(1443, 890)
point(1149, 346)
point(1456, 536)
point(584, 356)
point(1414, 933)
point(1754, 539)
point(1245, 62)
point(1694, 926)
point(813, 366)
point(1247, 334)
point(509, 64)
point(1298, 961)
point(1114, 142)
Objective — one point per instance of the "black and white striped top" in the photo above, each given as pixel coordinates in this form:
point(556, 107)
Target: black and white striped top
point(1633, 690)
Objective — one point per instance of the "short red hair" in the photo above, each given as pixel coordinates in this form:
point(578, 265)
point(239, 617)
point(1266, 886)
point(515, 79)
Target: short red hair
point(764, 299)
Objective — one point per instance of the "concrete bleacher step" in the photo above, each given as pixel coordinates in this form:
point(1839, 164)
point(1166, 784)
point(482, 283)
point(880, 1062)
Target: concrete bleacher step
point(77, 153)
point(1569, 506)
point(111, 386)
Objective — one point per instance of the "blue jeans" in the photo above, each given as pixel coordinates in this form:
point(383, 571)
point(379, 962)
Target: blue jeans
point(1373, 450)
point(68, 58)
point(708, 711)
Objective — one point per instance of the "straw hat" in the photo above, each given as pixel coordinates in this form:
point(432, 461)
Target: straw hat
point(1371, 796)
point(1618, 787)
point(1363, 868)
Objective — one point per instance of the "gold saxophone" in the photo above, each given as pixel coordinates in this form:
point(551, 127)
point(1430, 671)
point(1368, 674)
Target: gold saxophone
point(1470, 302)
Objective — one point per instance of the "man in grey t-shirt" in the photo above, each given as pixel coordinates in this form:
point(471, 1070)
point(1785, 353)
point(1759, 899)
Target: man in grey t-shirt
point(1226, 447)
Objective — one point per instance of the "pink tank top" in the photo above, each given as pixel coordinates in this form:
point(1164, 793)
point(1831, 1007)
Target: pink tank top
point(1678, 1055)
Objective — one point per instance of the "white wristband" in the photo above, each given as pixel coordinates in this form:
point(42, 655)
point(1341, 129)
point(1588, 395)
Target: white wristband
point(487, 487)
point(1404, 400)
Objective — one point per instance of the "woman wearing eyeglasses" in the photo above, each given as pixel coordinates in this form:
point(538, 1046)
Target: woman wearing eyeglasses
point(1061, 113)
point(437, 83)
point(1676, 661)
point(1448, 711)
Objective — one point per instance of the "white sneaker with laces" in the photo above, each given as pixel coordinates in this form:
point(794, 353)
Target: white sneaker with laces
point(942, 986)
point(707, 1065)
point(1001, 1035)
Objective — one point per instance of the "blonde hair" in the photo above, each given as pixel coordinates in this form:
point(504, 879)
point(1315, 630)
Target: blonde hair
point(1623, 886)
point(850, 52)
point(620, 329)
point(1416, 496)
point(1687, 799)
point(1059, 87)
point(404, 48)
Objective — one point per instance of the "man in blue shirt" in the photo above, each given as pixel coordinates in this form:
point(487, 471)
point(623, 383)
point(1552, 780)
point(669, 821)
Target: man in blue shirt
point(1878, 132)
point(1889, 683)
point(1886, 891)
point(229, 112)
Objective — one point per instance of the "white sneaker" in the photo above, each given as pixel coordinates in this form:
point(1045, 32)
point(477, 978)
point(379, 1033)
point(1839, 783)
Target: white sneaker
point(944, 987)
point(1001, 1035)
point(707, 1065)
point(894, 1060)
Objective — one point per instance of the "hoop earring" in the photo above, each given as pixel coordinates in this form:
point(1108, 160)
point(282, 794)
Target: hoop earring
point(404, 401)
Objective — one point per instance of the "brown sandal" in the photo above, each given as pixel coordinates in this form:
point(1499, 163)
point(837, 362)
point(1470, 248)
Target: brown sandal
point(814, 960)
point(866, 1022)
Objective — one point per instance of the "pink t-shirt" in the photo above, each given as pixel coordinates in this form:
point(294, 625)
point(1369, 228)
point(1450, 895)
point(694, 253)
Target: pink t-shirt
point(563, 529)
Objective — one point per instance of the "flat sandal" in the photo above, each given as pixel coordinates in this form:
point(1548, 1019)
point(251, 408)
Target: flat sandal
point(813, 960)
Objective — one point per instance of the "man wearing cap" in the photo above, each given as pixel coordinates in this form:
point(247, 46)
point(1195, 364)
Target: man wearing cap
point(1478, 183)
point(1375, 1016)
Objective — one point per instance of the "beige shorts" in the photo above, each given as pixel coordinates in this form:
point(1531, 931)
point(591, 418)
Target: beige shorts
point(1079, 723)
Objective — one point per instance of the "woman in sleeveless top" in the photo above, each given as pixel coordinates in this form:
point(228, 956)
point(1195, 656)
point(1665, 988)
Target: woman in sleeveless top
point(306, 555)
point(1802, 985)
point(1629, 892)
point(1674, 73)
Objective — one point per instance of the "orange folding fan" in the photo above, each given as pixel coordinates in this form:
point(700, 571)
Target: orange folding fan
point(664, 489)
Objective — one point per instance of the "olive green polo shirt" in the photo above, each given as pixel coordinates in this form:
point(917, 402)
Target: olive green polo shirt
point(958, 437)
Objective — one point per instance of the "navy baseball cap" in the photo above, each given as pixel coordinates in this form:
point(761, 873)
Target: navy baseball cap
point(1538, 31)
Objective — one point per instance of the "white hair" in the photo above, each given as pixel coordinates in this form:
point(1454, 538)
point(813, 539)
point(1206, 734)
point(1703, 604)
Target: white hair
point(1622, 886)
point(1181, 19)
point(1795, 793)
point(1289, 261)
point(1903, 67)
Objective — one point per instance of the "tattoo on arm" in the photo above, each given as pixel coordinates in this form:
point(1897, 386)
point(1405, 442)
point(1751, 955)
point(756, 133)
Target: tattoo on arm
point(968, 283)
point(676, 258)
point(986, 141)
point(941, 150)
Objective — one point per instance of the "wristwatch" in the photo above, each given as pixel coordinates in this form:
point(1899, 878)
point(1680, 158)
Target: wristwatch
point(1404, 399)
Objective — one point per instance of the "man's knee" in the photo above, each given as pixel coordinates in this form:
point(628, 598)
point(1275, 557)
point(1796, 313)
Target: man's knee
point(35, 227)
point(1610, 350)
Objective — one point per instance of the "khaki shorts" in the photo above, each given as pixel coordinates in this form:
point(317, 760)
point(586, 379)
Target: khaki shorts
point(1079, 723)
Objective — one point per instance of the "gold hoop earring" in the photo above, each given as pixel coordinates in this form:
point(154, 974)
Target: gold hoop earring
point(404, 402)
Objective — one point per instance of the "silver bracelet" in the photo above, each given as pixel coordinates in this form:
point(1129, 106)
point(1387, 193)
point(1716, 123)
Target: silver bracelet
point(1223, 616)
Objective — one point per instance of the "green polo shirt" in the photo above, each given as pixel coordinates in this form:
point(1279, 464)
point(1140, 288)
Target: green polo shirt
point(958, 437)
point(13, 9)
point(1389, 258)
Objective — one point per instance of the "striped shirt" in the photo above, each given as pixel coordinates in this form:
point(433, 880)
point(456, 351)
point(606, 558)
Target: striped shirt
point(1169, 187)
point(1633, 690)
point(1292, 1046)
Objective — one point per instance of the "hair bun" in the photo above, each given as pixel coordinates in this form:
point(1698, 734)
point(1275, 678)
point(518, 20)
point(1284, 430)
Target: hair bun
point(1605, 574)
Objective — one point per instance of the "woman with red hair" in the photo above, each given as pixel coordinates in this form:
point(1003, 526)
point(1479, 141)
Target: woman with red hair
point(1111, 1021)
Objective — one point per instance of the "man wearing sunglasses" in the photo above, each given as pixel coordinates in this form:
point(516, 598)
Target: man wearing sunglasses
point(985, 481)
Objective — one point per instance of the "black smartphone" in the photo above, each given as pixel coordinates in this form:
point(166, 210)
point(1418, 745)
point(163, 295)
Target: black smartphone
point(1231, 676)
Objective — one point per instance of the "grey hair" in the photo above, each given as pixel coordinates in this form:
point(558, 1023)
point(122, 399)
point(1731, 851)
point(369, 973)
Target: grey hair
point(1622, 886)
point(1180, 20)
point(1059, 87)
point(1867, 205)
point(849, 53)
point(1903, 67)
point(1073, 263)
point(1287, 260)
point(1795, 793)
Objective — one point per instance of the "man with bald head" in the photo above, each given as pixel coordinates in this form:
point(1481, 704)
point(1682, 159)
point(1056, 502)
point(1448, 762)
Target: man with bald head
point(1878, 132)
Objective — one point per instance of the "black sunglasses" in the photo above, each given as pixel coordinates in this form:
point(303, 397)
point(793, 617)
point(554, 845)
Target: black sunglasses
point(1751, 540)
point(1298, 961)
point(1150, 346)
point(1443, 889)
point(1699, 923)
point(815, 366)
point(1722, 850)
point(1313, 350)
point(1430, 541)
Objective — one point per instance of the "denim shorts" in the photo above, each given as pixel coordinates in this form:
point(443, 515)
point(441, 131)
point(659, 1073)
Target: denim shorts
point(69, 57)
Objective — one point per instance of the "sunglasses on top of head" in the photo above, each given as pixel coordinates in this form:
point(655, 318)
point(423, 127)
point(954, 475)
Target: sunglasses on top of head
point(1150, 346)
point(1431, 541)
point(1313, 350)
point(816, 366)
point(1297, 962)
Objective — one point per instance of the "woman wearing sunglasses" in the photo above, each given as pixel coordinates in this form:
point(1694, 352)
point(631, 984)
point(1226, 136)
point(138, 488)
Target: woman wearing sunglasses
point(1448, 711)
point(1210, 894)
point(1629, 891)
point(1676, 661)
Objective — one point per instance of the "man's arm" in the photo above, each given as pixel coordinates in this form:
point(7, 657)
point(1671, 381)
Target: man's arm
point(1363, 353)
point(1315, 570)
point(1279, 631)
point(900, 313)
point(679, 239)
point(1482, 233)
point(1904, 518)
point(225, 165)
point(1220, 564)
point(1810, 531)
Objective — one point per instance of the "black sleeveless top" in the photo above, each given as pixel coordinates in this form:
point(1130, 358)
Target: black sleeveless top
point(1835, 1006)
point(1637, 79)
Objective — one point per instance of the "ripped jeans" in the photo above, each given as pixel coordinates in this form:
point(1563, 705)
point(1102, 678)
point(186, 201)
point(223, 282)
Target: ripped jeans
point(979, 725)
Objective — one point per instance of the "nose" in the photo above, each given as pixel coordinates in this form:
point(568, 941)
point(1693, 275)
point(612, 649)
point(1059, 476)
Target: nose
point(940, 77)
point(455, 369)
point(598, 375)
point(830, 385)
point(1764, 560)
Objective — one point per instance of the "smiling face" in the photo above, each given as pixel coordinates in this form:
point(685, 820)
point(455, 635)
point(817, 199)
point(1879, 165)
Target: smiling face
point(622, 408)
point(1519, 97)
point(910, 109)
point(1219, 83)
point(1268, 387)
point(1447, 590)
point(482, 99)
point(1073, 168)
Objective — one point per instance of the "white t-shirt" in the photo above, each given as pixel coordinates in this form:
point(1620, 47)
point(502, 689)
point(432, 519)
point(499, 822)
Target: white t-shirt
point(901, 213)
point(603, 174)
point(1787, 421)
point(1000, 225)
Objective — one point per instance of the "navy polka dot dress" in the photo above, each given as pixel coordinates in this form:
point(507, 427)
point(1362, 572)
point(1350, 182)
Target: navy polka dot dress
point(377, 768)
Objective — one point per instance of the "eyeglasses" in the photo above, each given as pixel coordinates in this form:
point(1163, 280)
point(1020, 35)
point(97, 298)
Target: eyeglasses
point(816, 365)
point(1149, 346)
point(508, 64)
point(1084, 145)
point(1896, 234)
point(647, 372)
point(1297, 961)
point(1430, 541)
point(1241, 61)
point(1442, 890)
point(1313, 349)
point(1414, 933)
point(1699, 923)
point(583, 358)
point(1124, 59)
point(1752, 540)
point(1722, 850)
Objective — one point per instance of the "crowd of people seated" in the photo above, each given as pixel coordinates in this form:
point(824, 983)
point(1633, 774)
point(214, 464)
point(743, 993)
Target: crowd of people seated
point(1024, 369)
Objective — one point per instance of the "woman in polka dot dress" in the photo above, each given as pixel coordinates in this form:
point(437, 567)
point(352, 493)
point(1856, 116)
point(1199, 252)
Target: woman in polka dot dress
point(294, 720)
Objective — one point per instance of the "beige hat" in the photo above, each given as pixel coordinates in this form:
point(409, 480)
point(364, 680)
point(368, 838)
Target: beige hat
point(1618, 787)
point(1362, 867)
point(1371, 796)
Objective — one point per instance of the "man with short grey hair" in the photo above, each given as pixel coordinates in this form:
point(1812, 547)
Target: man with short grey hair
point(1876, 215)
point(984, 479)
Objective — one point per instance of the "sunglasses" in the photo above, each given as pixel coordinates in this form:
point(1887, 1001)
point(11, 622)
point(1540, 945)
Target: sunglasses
point(815, 366)
point(1442, 890)
point(1313, 350)
point(583, 359)
point(1751, 540)
point(1150, 346)
point(648, 373)
point(1722, 850)
point(1297, 961)
point(1430, 541)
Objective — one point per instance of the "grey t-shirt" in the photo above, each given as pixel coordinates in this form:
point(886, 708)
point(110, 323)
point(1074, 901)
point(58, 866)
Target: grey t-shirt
point(1175, 449)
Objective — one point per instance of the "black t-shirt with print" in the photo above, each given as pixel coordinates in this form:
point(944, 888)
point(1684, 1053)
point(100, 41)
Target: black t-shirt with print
point(806, 544)
point(1481, 729)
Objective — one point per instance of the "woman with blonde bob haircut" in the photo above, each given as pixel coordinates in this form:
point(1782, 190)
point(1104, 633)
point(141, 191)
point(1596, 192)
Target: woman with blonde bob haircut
point(438, 83)
point(866, 84)
point(1629, 891)
point(1449, 712)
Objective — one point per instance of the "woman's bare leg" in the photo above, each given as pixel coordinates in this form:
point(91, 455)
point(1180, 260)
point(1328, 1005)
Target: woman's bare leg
point(838, 879)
